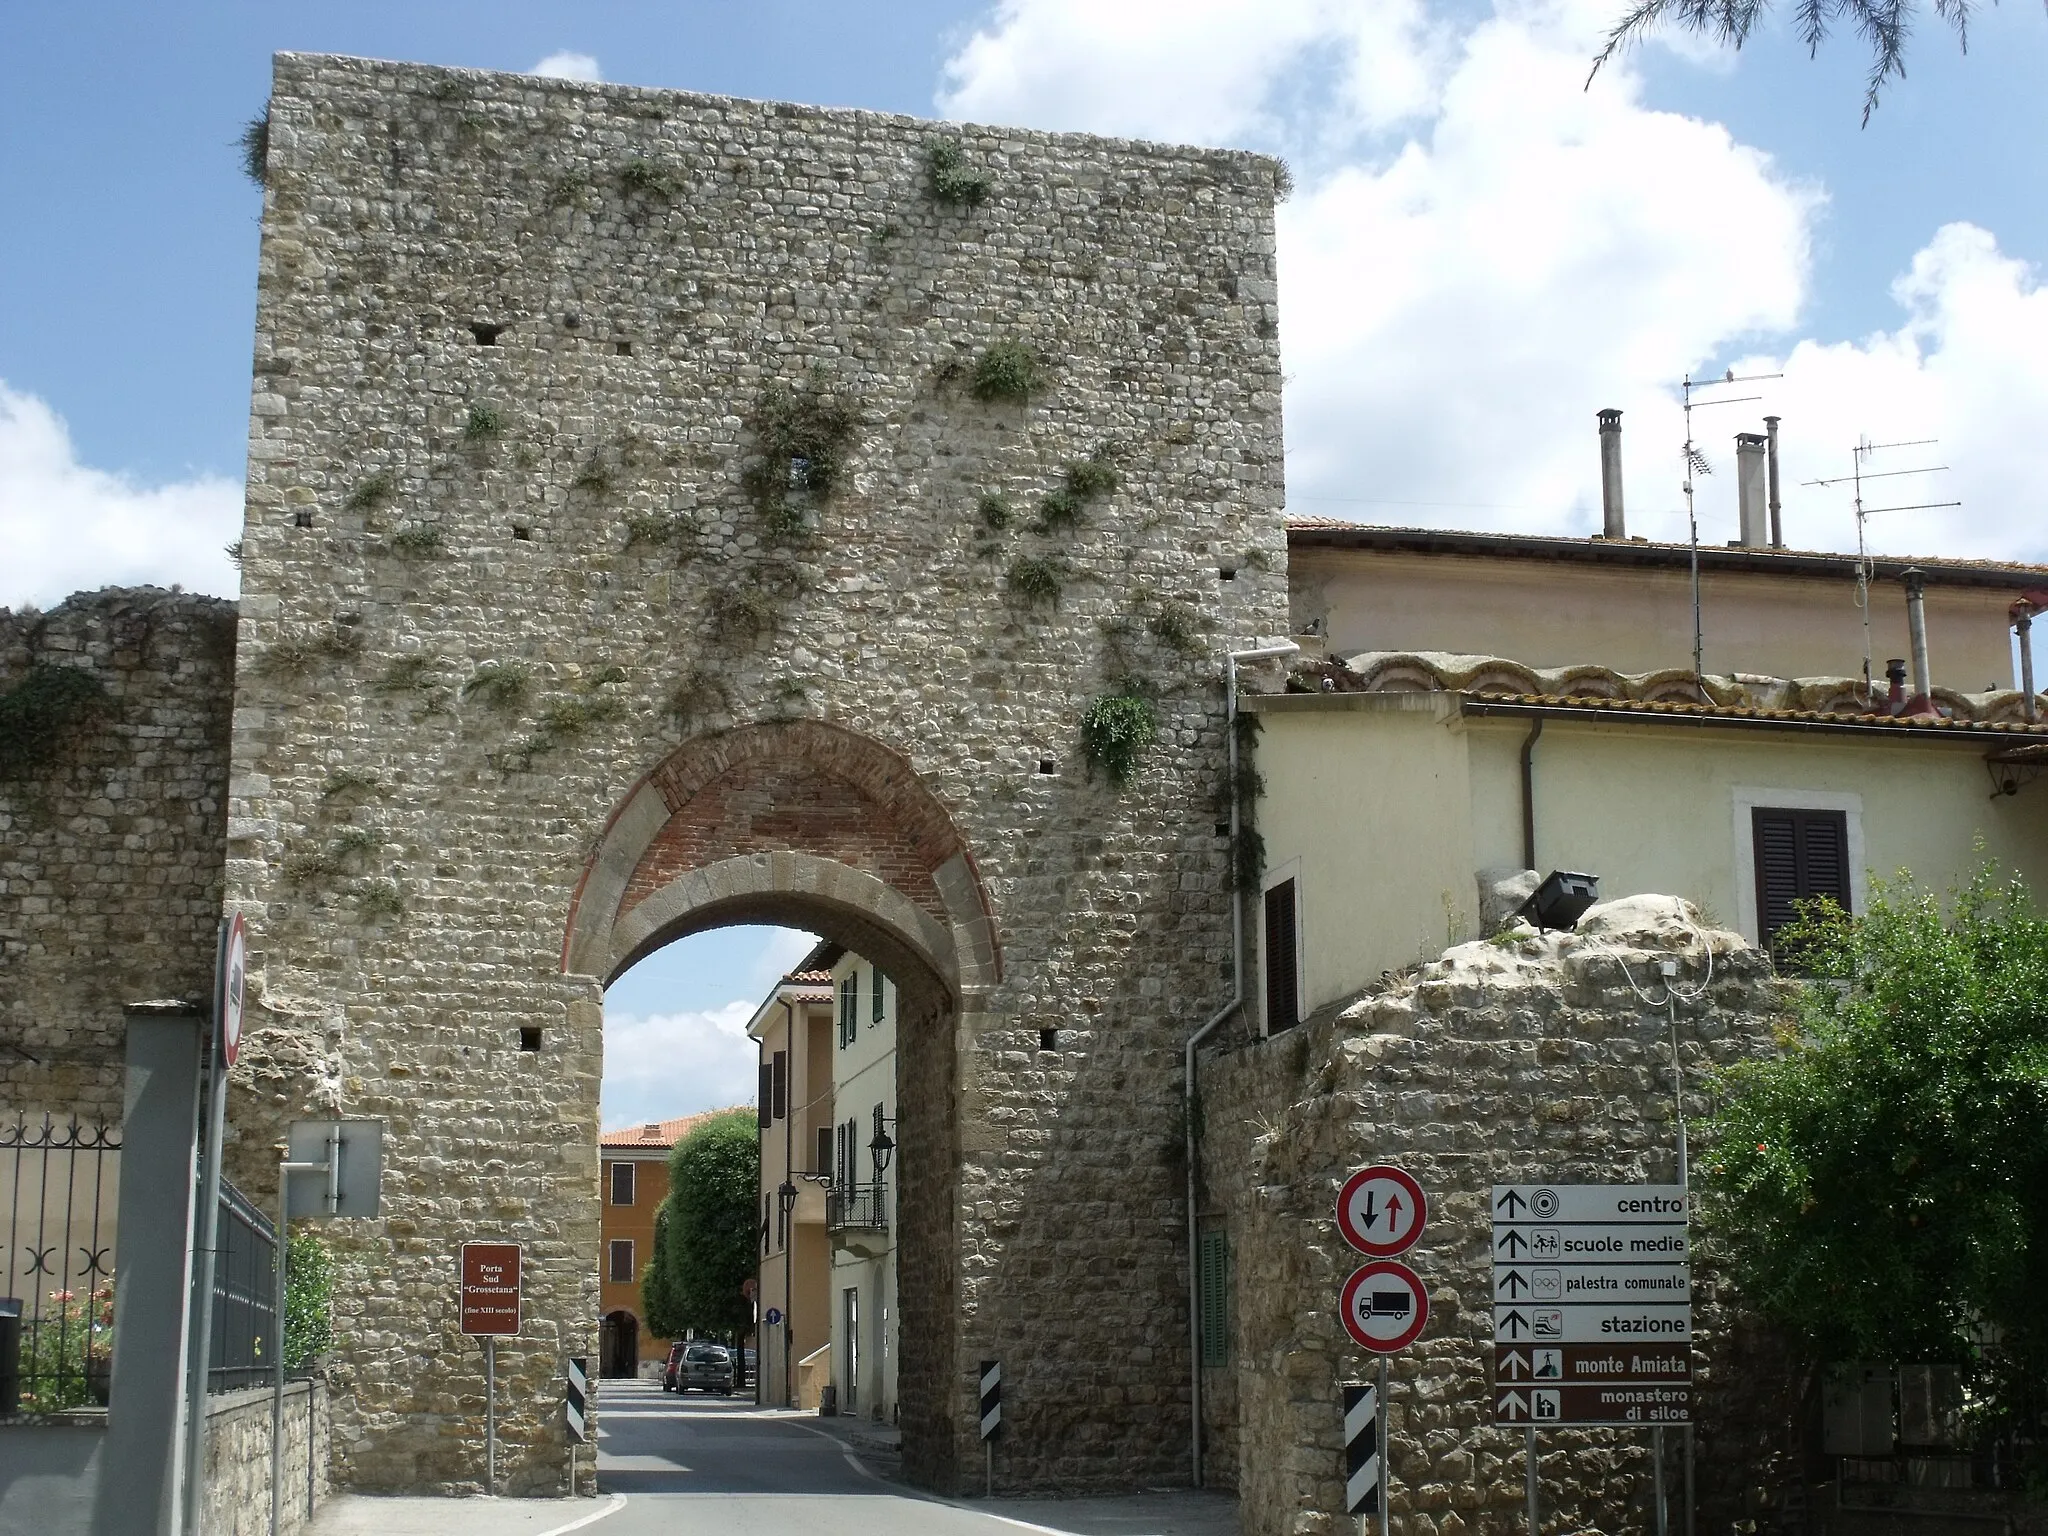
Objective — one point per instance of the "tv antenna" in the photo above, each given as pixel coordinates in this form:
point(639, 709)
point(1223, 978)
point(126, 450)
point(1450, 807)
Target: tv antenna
point(1696, 464)
point(1857, 475)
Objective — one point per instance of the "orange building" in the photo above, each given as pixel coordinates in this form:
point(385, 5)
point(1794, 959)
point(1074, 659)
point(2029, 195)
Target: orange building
point(635, 1183)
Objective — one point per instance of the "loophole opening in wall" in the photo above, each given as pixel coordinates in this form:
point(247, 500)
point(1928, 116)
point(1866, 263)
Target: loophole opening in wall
point(486, 333)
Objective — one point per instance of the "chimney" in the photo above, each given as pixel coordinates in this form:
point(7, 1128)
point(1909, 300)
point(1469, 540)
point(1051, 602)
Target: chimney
point(1613, 525)
point(1895, 674)
point(2022, 625)
point(1751, 490)
point(1922, 702)
point(1771, 455)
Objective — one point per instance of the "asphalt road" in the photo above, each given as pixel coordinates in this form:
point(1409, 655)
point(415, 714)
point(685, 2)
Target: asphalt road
point(699, 1466)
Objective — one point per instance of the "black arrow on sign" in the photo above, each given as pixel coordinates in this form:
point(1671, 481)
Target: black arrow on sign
point(1514, 1365)
point(1514, 1325)
point(1511, 1203)
point(1512, 1242)
point(1513, 1283)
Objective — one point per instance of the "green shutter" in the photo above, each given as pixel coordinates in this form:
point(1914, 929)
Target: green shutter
point(1214, 1276)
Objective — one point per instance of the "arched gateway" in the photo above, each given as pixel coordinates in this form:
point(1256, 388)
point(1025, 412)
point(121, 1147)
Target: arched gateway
point(810, 825)
point(667, 511)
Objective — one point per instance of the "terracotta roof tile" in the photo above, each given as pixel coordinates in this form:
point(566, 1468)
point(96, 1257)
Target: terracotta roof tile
point(665, 1133)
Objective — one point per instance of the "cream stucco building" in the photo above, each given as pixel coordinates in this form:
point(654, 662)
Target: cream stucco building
point(861, 1204)
point(793, 1029)
point(1482, 706)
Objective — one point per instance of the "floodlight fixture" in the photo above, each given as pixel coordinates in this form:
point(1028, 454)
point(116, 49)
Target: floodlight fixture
point(1561, 900)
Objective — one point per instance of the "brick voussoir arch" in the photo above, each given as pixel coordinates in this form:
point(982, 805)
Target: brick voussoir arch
point(767, 821)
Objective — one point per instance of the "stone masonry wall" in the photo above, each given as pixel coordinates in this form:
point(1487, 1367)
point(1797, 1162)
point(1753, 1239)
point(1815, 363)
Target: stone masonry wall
point(238, 1459)
point(1515, 1061)
point(512, 536)
point(110, 837)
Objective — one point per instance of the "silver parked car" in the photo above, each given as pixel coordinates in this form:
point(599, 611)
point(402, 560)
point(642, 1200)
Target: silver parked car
point(707, 1367)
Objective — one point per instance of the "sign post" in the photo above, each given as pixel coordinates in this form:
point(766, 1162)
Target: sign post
point(1383, 1306)
point(1592, 1311)
point(230, 981)
point(490, 1311)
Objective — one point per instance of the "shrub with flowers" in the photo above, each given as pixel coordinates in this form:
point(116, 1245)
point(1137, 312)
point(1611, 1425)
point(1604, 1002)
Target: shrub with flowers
point(67, 1353)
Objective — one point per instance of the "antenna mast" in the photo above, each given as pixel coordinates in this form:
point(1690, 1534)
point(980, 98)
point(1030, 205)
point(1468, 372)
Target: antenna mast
point(1863, 450)
point(1696, 464)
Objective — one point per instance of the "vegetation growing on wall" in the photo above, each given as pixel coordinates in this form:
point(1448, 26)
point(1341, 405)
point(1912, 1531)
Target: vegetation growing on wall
point(501, 685)
point(42, 710)
point(995, 512)
point(290, 655)
point(948, 180)
point(802, 433)
point(697, 695)
point(484, 424)
point(1178, 626)
point(1006, 370)
point(645, 179)
point(1036, 580)
point(1248, 854)
point(662, 530)
point(347, 781)
point(255, 146)
point(1116, 732)
point(420, 541)
point(372, 492)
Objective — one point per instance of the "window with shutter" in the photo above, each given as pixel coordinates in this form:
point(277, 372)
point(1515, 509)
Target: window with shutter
point(1283, 981)
point(824, 1162)
point(622, 1183)
point(1800, 856)
point(1213, 1283)
point(622, 1261)
point(849, 1007)
point(876, 1016)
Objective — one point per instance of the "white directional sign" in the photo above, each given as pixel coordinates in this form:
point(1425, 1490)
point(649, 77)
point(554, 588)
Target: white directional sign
point(1583, 1265)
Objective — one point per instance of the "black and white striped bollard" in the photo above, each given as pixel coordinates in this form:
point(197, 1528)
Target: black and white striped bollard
point(1363, 1463)
point(575, 1406)
point(991, 1418)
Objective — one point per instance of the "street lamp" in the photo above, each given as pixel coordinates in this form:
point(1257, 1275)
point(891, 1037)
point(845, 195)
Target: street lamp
point(881, 1149)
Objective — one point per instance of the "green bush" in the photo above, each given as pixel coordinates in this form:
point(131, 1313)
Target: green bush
point(1036, 580)
point(1007, 370)
point(947, 178)
point(308, 1300)
point(1116, 731)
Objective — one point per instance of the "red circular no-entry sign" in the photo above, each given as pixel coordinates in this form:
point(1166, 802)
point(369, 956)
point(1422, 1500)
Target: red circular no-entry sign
point(1384, 1307)
point(1380, 1211)
point(234, 983)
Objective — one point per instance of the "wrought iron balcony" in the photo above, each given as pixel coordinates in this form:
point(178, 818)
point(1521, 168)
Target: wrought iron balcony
point(856, 1208)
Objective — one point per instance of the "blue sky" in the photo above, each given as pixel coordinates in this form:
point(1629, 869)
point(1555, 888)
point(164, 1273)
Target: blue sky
point(1479, 255)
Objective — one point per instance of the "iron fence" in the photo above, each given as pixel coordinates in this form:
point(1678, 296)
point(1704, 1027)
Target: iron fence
point(59, 1181)
point(245, 1326)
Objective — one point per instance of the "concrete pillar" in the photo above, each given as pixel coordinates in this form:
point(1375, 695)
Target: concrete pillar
point(152, 1276)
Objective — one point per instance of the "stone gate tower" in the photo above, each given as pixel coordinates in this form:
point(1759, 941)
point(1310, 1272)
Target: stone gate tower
point(666, 510)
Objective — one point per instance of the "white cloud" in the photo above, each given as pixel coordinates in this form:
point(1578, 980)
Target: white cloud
point(659, 1066)
point(66, 526)
point(1482, 253)
point(568, 66)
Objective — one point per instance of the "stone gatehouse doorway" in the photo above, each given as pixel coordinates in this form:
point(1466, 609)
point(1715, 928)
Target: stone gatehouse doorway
point(806, 825)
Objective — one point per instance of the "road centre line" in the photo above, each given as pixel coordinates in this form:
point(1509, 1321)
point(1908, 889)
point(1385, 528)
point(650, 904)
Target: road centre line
point(618, 1502)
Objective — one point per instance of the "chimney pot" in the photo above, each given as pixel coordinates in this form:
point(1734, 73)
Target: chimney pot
point(1922, 701)
point(1751, 489)
point(1613, 524)
point(1771, 453)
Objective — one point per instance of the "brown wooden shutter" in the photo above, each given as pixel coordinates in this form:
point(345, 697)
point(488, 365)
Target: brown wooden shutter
point(1800, 856)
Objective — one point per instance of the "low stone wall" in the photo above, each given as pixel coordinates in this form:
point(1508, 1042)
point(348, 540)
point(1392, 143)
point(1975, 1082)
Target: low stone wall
point(238, 1459)
point(1509, 1061)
